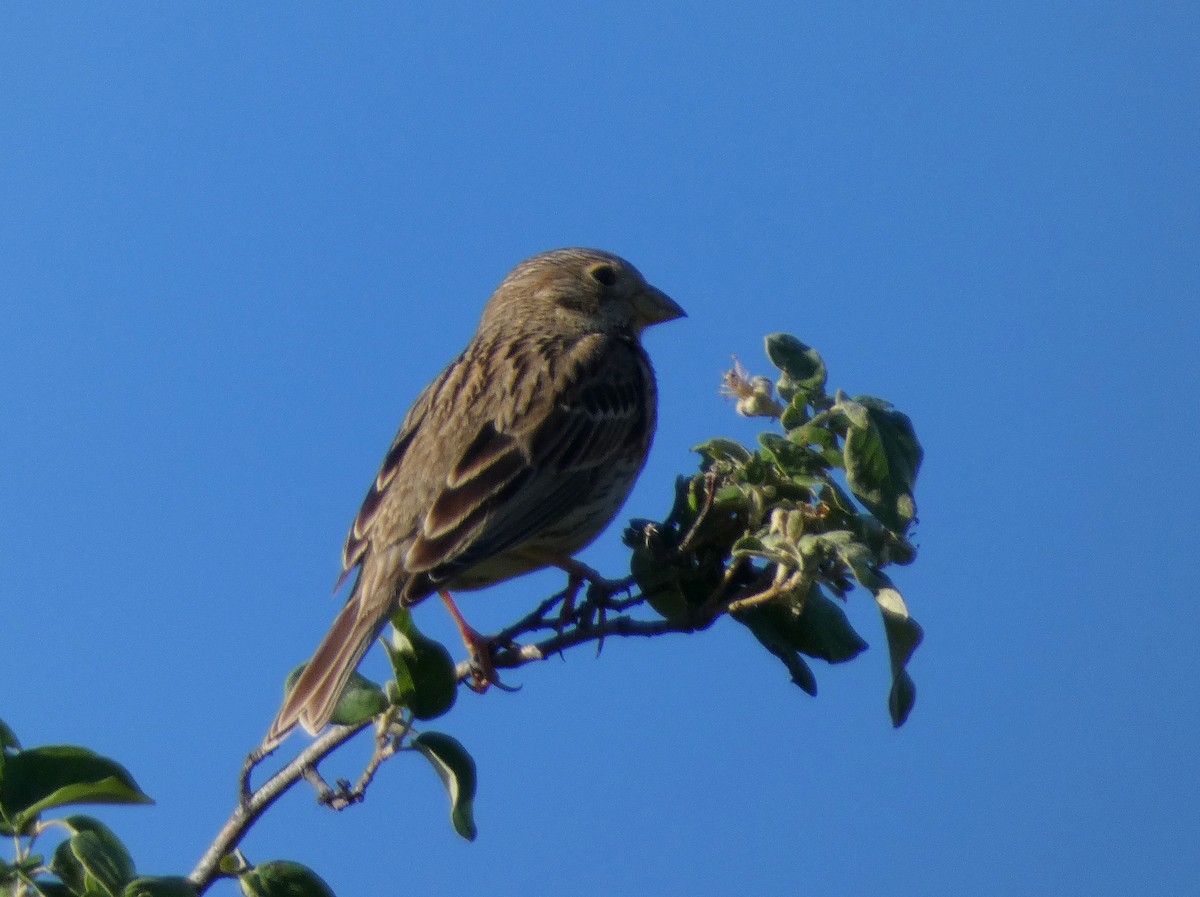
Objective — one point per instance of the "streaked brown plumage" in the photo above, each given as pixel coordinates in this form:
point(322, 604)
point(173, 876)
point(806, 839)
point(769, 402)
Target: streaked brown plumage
point(513, 459)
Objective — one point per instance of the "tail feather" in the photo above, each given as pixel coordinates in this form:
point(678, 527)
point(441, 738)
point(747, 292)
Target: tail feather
point(312, 700)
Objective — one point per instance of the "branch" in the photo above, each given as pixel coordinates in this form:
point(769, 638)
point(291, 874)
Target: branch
point(580, 630)
point(255, 804)
point(573, 625)
point(515, 655)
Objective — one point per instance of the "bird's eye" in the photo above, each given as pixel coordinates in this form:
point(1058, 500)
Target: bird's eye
point(604, 274)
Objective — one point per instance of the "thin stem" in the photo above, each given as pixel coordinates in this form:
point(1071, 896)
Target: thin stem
point(623, 626)
point(576, 625)
point(248, 811)
point(386, 746)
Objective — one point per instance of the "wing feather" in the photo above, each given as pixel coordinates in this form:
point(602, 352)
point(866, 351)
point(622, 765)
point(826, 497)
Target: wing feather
point(510, 485)
point(358, 538)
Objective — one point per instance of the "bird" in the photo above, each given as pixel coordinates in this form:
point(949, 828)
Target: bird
point(513, 459)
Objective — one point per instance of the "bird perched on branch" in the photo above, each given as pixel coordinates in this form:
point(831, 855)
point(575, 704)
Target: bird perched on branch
point(513, 459)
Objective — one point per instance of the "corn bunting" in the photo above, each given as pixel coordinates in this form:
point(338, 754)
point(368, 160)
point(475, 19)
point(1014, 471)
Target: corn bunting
point(513, 459)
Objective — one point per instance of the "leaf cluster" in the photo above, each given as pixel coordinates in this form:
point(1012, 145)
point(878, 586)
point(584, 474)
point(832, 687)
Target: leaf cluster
point(89, 860)
point(778, 535)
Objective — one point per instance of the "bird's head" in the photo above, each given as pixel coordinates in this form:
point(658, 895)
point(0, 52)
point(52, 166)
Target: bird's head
point(584, 290)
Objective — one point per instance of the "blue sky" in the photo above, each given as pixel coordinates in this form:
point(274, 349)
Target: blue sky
point(237, 239)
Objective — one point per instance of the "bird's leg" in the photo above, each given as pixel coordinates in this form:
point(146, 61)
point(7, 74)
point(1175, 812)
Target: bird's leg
point(567, 612)
point(578, 570)
point(577, 574)
point(599, 589)
point(483, 671)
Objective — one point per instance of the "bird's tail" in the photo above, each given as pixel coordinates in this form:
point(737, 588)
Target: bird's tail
point(312, 700)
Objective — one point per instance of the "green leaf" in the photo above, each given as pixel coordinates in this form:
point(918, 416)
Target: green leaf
point(791, 457)
point(160, 886)
point(794, 415)
point(93, 859)
point(838, 538)
point(901, 698)
point(757, 469)
point(858, 415)
point(875, 403)
point(822, 630)
point(722, 449)
point(903, 636)
point(834, 496)
point(423, 668)
point(901, 552)
point(882, 461)
point(730, 498)
point(58, 775)
point(283, 878)
point(801, 672)
point(747, 545)
point(660, 583)
point(233, 864)
point(456, 769)
point(814, 434)
point(802, 366)
point(44, 887)
point(361, 700)
point(774, 547)
point(8, 745)
point(764, 626)
point(679, 505)
point(862, 563)
point(20, 871)
point(8, 739)
point(77, 823)
point(816, 626)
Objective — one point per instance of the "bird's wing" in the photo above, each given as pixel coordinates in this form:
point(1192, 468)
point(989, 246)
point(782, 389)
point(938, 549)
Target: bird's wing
point(518, 476)
point(359, 536)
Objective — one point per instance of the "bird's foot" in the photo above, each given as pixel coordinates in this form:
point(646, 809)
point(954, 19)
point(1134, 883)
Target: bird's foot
point(479, 647)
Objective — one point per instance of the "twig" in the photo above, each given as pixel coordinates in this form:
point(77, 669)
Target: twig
point(248, 811)
point(710, 495)
point(715, 605)
point(584, 623)
point(325, 794)
point(783, 584)
point(385, 747)
point(518, 655)
point(536, 618)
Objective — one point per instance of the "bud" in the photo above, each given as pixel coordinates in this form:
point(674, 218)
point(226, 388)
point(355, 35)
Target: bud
point(755, 395)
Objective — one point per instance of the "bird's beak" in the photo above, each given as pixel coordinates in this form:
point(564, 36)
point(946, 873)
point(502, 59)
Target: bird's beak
point(653, 306)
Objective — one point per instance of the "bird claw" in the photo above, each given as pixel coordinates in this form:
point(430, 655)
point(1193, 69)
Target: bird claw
point(480, 682)
point(483, 671)
point(566, 613)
